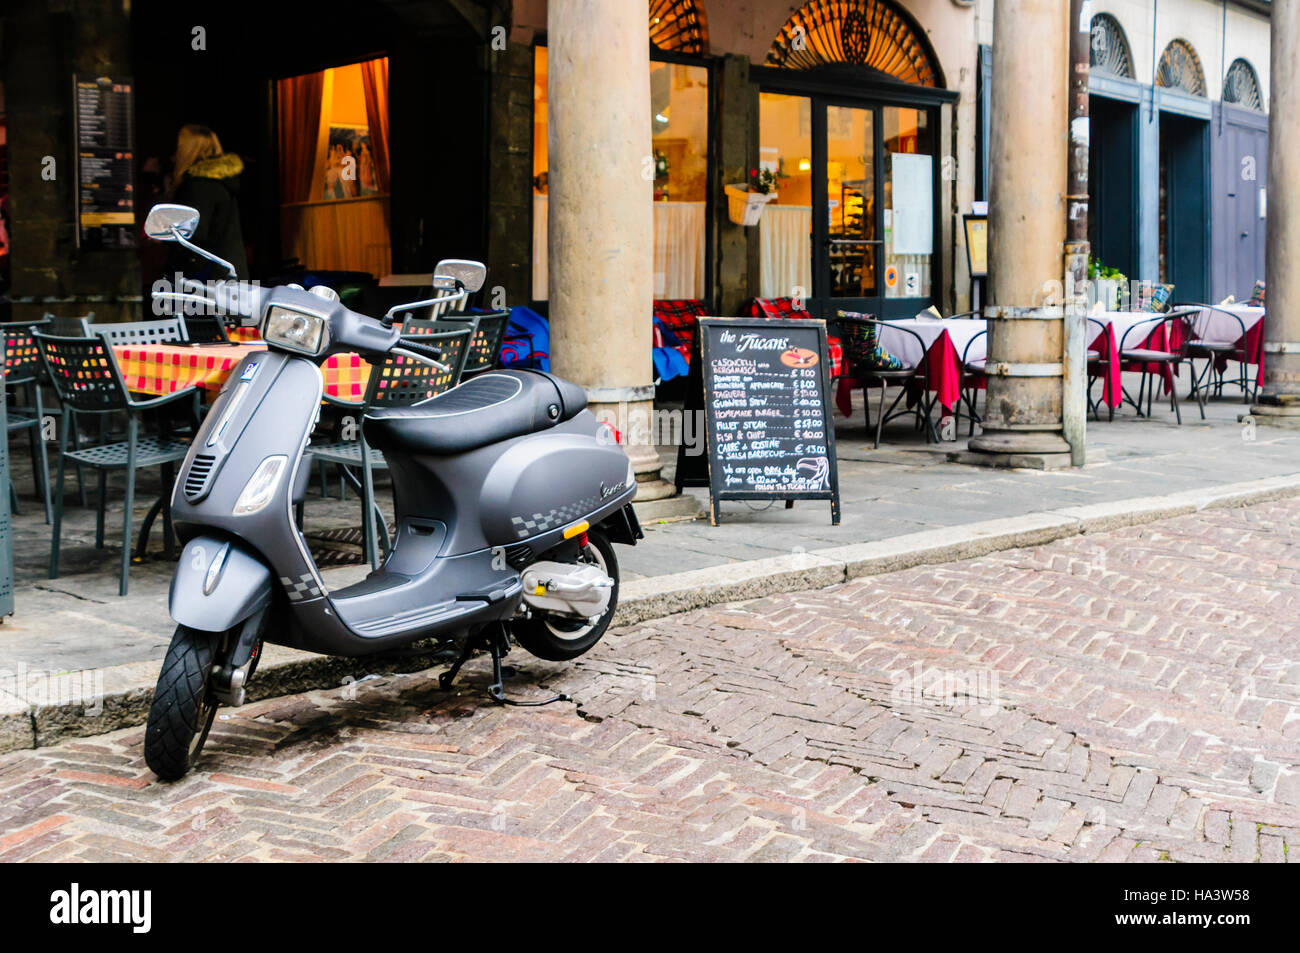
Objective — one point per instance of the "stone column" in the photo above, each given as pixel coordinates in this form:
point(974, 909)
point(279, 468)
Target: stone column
point(1280, 401)
point(601, 226)
point(1028, 157)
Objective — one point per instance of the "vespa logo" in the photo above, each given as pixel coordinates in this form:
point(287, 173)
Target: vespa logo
point(607, 492)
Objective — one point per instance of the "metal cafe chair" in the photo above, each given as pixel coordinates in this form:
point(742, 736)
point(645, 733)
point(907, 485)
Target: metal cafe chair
point(1217, 352)
point(22, 373)
point(128, 333)
point(396, 382)
point(204, 329)
point(1098, 368)
point(883, 377)
point(972, 374)
point(1178, 330)
point(74, 327)
point(87, 380)
point(489, 330)
point(144, 333)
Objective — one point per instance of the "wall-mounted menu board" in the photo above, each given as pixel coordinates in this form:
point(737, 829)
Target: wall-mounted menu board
point(104, 114)
point(762, 385)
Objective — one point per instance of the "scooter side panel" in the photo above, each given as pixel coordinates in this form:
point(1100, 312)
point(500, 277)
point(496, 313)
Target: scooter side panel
point(522, 489)
point(550, 482)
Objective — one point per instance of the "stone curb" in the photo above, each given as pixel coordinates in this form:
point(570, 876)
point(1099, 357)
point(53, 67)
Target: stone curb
point(123, 701)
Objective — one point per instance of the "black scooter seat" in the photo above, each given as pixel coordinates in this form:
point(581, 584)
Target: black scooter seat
point(485, 410)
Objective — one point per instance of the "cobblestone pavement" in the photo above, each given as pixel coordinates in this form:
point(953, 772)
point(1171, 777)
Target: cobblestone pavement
point(1127, 696)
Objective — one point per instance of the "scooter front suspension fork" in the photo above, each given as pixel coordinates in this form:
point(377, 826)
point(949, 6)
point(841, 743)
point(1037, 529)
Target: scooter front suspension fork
point(495, 638)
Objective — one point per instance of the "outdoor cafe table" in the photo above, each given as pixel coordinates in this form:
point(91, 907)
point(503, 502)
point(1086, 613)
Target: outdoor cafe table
point(1210, 326)
point(1214, 326)
point(160, 369)
point(942, 344)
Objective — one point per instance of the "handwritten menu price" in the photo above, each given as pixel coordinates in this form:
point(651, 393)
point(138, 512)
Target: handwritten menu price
point(105, 128)
point(762, 385)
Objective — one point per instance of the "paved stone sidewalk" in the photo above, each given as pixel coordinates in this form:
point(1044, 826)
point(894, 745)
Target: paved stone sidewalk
point(78, 623)
point(1124, 696)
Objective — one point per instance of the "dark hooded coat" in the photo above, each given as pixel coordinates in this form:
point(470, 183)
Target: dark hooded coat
point(212, 187)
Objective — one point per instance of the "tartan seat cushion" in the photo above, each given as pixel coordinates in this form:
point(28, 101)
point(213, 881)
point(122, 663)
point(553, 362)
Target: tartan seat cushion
point(786, 308)
point(675, 321)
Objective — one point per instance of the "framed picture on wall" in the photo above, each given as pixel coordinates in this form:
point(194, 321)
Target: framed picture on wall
point(349, 163)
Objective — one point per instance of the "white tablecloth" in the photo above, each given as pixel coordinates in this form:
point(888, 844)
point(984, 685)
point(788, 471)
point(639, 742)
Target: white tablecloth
point(1215, 327)
point(1120, 322)
point(908, 350)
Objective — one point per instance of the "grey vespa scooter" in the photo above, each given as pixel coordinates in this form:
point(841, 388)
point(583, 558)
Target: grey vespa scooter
point(508, 495)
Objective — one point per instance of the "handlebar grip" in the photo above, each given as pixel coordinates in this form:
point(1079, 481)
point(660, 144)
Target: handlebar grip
point(413, 343)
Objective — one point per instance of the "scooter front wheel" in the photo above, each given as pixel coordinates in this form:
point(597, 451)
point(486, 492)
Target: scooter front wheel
point(560, 639)
point(183, 705)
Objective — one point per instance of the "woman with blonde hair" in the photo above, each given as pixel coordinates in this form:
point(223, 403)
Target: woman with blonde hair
point(207, 179)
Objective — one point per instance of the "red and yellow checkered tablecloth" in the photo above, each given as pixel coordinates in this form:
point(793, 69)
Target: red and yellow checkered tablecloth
point(160, 369)
point(242, 335)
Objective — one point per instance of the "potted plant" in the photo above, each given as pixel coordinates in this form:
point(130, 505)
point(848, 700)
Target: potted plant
point(1108, 284)
point(746, 200)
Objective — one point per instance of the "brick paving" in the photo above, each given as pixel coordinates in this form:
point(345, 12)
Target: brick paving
point(1132, 696)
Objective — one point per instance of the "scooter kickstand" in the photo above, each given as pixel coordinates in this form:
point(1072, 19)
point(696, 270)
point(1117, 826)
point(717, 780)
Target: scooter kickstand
point(449, 676)
point(495, 644)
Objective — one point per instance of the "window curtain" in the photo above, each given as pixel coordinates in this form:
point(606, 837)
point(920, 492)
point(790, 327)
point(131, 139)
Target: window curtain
point(374, 77)
point(300, 105)
point(299, 102)
point(679, 250)
point(785, 251)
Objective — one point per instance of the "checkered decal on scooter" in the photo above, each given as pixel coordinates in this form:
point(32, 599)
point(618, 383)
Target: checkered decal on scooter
point(543, 522)
point(304, 590)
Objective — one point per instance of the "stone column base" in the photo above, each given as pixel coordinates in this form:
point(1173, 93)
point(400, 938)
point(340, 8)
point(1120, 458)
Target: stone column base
point(1026, 449)
point(1281, 410)
point(1012, 461)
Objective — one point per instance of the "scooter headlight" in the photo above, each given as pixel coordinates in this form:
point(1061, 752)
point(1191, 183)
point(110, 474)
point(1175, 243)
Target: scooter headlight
point(294, 330)
point(261, 486)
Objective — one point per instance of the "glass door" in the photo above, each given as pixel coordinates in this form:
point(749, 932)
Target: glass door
point(909, 188)
point(854, 226)
point(851, 244)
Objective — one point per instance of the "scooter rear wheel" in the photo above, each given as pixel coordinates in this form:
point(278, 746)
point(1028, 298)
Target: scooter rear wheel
point(183, 706)
point(560, 639)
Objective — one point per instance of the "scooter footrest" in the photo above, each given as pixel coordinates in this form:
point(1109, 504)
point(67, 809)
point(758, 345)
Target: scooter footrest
point(492, 596)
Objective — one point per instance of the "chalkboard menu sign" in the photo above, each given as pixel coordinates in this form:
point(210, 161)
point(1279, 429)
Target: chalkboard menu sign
point(762, 386)
point(105, 186)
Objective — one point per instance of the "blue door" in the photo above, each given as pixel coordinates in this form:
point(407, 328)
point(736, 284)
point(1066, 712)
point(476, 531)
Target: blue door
point(1240, 175)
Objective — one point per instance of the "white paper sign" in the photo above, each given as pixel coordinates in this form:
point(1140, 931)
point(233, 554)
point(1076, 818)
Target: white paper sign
point(913, 186)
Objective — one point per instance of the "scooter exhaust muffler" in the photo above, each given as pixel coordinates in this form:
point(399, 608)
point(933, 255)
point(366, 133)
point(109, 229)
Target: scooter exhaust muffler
point(581, 590)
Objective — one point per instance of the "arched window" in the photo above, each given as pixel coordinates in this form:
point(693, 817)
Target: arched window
point(678, 26)
point(1180, 68)
point(1241, 86)
point(1110, 49)
point(870, 33)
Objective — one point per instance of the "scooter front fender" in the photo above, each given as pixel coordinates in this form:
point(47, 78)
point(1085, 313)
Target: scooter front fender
point(218, 584)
